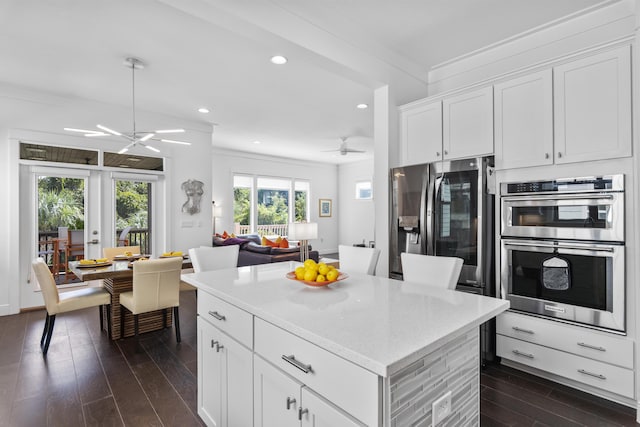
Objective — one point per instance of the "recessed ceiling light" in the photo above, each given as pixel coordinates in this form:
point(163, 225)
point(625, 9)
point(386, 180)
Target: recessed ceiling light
point(203, 110)
point(278, 60)
point(362, 106)
point(257, 142)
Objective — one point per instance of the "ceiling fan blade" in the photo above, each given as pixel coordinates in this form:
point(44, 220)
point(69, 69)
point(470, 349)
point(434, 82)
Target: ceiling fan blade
point(82, 130)
point(125, 149)
point(95, 134)
point(173, 141)
point(351, 150)
point(170, 131)
point(111, 131)
point(146, 137)
point(330, 151)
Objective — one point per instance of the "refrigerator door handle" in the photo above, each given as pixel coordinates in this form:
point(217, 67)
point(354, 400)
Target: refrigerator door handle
point(433, 184)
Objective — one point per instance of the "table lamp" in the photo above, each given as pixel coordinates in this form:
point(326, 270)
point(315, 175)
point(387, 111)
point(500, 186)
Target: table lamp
point(303, 231)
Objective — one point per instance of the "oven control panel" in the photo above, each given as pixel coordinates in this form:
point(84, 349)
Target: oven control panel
point(567, 185)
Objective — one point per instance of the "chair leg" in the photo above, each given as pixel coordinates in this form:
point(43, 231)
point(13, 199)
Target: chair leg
point(108, 308)
point(52, 321)
point(44, 331)
point(101, 313)
point(135, 325)
point(164, 317)
point(121, 321)
point(176, 321)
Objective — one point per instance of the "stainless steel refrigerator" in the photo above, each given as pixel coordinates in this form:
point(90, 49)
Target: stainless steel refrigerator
point(446, 209)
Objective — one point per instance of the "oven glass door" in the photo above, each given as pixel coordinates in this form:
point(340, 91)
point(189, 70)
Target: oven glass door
point(576, 281)
point(582, 217)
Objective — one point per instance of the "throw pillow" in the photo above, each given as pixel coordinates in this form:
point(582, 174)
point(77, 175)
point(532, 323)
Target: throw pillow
point(284, 243)
point(267, 242)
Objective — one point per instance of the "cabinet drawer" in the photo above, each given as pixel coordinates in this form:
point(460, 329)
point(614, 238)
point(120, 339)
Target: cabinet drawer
point(585, 342)
point(228, 318)
point(588, 371)
point(355, 389)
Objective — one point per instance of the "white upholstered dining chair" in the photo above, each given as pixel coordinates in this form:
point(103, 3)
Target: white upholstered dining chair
point(356, 259)
point(156, 286)
point(56, 303)
point(429, 270)
point(206, 258)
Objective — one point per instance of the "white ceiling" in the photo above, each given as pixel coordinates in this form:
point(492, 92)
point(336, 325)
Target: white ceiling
point(215, 53)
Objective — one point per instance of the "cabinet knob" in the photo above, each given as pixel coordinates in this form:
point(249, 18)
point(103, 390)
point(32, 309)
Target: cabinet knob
point(437, 154)
point(546, 155)
point(290, 401)
point(559, 154)
point(301, 412)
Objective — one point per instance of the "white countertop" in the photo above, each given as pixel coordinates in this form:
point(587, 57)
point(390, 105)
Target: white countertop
point(380, 324)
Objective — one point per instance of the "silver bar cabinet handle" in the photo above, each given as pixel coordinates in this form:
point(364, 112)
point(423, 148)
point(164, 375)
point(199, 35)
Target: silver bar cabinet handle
point(301, 412)
point(292, 360)
point(591, 374)
point(290, 401)
point(218, 347)
point(213, 343)
point(593, 347)
point(217, 315)
point(526, 331)
point(519, 353)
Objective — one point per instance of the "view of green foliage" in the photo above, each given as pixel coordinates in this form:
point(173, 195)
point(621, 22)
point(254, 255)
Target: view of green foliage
point(273, 207)
point(241, 205)
point(132, 200)
point(60, 203)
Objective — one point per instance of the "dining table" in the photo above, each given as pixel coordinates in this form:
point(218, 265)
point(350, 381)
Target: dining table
point(117, 277)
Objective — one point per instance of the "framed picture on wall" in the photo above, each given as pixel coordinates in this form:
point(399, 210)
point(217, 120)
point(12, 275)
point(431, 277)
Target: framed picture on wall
point(324, 207)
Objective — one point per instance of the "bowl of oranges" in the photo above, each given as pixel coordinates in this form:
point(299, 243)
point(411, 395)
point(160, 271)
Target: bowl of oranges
point(316, 274)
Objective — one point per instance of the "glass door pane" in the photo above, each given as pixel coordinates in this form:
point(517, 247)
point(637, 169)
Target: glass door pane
point(133, 214)
point(60, 222)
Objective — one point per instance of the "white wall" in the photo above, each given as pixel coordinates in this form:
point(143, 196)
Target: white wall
point(356, 221)
point(40, 118)
point(323, 179)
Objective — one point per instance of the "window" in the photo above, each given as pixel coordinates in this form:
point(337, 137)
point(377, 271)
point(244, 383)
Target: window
point(364, 190)
point(266, 205)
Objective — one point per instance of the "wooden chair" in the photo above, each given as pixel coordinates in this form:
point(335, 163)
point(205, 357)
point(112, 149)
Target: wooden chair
point(111, 253)
point(206, 258)
point(356, 259)
point(439, 271)
point(56, 303)
point(156, 286)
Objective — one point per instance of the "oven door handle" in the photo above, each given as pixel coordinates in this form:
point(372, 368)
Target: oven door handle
point(512, 244)
point(558, 198)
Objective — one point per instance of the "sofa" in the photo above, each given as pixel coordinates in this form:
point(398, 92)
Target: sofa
point(252, 252)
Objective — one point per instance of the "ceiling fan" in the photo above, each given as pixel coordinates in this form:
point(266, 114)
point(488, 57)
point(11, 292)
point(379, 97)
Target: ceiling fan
point(344, 150)
point(135, 137)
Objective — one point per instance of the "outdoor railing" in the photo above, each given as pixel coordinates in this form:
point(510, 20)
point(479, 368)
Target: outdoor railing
point(136, 237)
point(263, 230)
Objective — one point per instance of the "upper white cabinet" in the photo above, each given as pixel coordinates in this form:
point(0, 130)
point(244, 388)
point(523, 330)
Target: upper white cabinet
point(468, 124)
point(592, 99)
point(523, 112)
point(421, 133)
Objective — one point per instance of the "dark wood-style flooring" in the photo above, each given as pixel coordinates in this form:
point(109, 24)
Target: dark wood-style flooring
point(89, 380)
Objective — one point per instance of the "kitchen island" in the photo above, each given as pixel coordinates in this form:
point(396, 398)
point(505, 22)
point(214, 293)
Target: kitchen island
point(363, 351)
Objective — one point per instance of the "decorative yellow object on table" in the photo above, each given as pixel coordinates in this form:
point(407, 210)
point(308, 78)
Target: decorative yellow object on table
point(171, 254)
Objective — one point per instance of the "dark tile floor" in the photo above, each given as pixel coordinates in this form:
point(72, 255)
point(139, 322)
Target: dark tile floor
point(88, 380)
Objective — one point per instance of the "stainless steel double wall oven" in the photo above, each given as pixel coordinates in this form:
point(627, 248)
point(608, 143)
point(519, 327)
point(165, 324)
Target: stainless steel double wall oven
point(562, 249)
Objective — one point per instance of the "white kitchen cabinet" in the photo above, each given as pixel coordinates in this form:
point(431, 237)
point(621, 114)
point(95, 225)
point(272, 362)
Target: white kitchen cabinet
point(592, 101)
point(523, 112)
point(281, 401)
point(317, 412)
point(468, 124)
point(225, 380)
point(421, 132)
point(595, 358)
point(276, 397)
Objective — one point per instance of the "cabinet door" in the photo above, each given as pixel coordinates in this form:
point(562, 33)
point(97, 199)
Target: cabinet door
point(421, 133)
point(211, 376)
point(321, 413)
point(592, 99)
point(238, 361)
point(276, 396)
point(523, 112)
point(468, 124)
